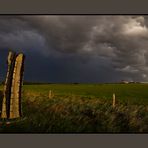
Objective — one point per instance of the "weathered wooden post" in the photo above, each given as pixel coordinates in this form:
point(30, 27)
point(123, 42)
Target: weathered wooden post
point(11, 106)
point(15, 98)
point(51, 94)
point(7, 85)
point(1, 99)
point(114, 100)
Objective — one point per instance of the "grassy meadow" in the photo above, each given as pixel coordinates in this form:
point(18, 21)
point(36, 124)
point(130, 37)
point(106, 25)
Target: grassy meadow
point(81, 108)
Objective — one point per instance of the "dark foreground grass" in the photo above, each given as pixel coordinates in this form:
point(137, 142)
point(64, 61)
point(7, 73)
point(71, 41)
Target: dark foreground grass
point(76, 110)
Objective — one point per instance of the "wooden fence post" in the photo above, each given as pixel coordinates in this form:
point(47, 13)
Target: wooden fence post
point(114, 100)
point(7, 85)
point(51, 94)
point(15, 100)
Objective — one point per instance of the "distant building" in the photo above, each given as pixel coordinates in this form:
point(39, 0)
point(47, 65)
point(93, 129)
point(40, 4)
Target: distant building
point(124, 81)
point(132, 82)
point(129, 82)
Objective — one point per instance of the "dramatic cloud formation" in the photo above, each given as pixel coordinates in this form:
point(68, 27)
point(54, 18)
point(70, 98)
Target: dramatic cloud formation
point(79, 48)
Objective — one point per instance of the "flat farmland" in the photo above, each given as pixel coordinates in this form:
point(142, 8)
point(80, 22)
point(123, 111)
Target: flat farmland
point(128, 93)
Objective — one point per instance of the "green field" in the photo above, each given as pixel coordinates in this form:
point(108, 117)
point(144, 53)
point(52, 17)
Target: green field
point(82, 108)
point(130, 93)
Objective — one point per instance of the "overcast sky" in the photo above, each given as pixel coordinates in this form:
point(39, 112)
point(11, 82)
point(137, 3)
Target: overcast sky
point(77, 48)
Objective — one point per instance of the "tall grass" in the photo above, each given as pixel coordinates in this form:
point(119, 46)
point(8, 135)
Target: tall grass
point(76, 113)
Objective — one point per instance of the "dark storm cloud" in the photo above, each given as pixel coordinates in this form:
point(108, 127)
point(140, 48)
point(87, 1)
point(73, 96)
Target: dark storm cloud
point(17, 34)
point(81, 48)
